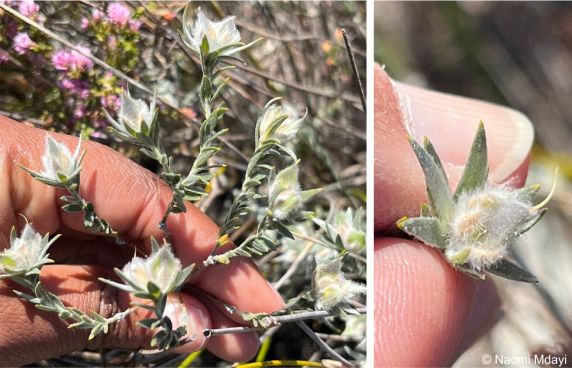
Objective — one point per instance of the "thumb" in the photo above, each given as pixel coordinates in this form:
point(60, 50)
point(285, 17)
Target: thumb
point(450, 122)
point(29, 335)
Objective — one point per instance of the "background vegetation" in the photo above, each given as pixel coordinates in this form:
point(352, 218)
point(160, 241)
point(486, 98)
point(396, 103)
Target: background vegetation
point(301, 58)
point(517, 54)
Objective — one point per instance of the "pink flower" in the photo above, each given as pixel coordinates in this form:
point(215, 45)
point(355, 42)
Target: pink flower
point(83, 94)
point(82, 62)
point(112, 42)
point(66, 83)
point(4, 56)
point(84, 23)
point(71, 61)
point(134, 25)
point(118, 14)
point(79, 111)
point(22, 43)
point(28, 8)
point(61, 60)
point(96, 15)
point(110, 102)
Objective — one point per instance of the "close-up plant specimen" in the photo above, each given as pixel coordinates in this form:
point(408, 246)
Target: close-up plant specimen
point(474, 226)
point(310, 243)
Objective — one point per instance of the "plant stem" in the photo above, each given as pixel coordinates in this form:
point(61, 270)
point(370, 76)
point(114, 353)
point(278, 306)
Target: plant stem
point(354, 69)
point(275, 321)
point(99, 225)
point(322, 243)
point(322, 344)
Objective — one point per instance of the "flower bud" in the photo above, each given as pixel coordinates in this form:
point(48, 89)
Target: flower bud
point(351, 228)
point(474, 226)
point(331, 286)
point(61, 168)
point(161, 269)
point(285, 195)
point(220, 36)
point(278, 122)
point(26, 253)
point(136, 119)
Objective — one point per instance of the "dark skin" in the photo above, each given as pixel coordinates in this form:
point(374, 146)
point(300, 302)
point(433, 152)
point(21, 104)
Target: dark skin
point(426, 312)
point(133, 201)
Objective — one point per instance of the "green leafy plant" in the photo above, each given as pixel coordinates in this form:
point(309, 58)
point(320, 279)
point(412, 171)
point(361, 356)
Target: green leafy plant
point(270, 195)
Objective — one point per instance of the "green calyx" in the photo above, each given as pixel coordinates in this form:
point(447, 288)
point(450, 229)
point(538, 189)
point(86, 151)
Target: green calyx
point(459, 223)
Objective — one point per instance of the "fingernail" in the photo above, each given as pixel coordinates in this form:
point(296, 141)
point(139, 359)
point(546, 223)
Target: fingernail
point(181, 311)
point(450, 122)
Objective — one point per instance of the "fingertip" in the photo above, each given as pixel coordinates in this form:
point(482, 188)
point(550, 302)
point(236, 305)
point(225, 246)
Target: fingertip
point(241, 279)
point(484, 316)
point(186, 310)
point(239, 347)
point(421, 301)
point(234, 347)
point(441, 116)
point(450, 122)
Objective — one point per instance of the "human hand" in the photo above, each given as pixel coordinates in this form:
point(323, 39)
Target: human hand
point(426, 312)
point(133, 201)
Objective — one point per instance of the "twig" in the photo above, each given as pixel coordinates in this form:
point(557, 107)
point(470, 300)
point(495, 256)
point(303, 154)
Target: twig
point(272, 36)
point(349, 130)
point(339, 338)
point(299, 259)
point(321, 91)
point(210, 332)
point(318, 241)
point(354, 69)
point(275, 321)
point(309, 315)
point(322, 344)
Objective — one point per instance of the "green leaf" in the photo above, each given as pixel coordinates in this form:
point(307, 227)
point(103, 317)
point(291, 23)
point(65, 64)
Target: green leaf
point(431, 151)
point(426, 229)
point(150, 323)
point(204, 47)
point(530, 223)
point(477, 169)
point(436, 181)
point(527, 193)
point(73, 207)
point(511, 271)
point(160, 304)
point(282, 229)
point(96, 331)
point(167, 324)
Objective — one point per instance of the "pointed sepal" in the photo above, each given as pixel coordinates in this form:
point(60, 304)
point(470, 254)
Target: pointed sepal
point(425, 229)
point(440, 198)
point(511, 271)
point(476, 170)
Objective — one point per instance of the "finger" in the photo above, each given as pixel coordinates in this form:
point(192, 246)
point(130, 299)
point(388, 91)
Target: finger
point(450, 122)
point(230, 347)
point(129, 197)
point(29, 335)
point(239, 282)
point(485, 315)
point(421, 302)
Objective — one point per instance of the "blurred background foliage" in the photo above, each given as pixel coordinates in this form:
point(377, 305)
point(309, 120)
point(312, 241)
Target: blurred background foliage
point(301, 58)
point(517, 54)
